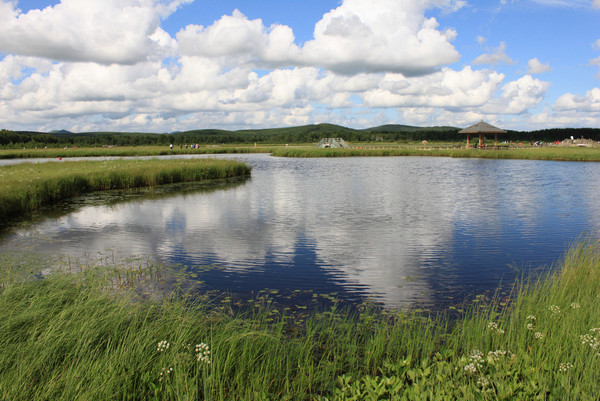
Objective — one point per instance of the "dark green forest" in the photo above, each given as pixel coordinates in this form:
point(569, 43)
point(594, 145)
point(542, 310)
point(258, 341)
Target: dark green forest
point(302, 134)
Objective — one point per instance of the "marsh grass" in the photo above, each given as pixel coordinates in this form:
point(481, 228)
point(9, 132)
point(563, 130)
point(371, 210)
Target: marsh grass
point(130, 151)
point(68, 337)
point(25, 187)
point(542, 153)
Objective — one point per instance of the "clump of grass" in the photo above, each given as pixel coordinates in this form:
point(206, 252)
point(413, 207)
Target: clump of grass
point(25, 187)
point(65, 337)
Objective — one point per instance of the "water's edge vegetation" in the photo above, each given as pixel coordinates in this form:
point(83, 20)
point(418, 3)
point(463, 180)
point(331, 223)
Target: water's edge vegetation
point(89, 336)
point(26, 187)
point(560, 153)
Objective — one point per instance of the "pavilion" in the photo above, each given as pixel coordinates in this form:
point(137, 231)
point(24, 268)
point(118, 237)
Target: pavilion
point(482, 128)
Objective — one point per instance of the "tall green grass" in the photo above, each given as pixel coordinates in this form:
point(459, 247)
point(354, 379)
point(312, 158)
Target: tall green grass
point(67, 337)
point(303, 150)
point(130, 151)
point(25, 187)
point(543, 153)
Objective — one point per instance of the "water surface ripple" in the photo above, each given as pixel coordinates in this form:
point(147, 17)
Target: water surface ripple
point(399, 230)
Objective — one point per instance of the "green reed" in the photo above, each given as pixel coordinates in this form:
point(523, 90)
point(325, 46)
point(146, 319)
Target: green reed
point(130, 151)
point(25, 187)
point(542, 153)
point(68, 336)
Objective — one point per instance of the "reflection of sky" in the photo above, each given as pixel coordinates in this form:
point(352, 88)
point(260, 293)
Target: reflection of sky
point(397, 229)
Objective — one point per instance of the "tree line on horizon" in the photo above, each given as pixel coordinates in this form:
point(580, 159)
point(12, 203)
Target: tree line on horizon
point(301, 134)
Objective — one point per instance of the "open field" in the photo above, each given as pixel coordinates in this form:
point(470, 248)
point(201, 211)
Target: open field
point(26, 187)
point(130, 151)
point(71, 336)
point(442, 149)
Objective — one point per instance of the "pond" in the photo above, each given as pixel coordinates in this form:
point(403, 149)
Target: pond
point(400, 231)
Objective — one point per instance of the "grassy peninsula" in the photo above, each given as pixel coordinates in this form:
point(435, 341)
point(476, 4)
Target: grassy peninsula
point(445, 150)
point(25, 187)
point(71, 336)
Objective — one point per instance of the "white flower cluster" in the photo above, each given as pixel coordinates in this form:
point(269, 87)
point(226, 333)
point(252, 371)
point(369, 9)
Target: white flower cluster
point(575, 305)
point(165, 372)
point(554, 309)
point(588, 339)
point(565, 366)
point(162, 346)
point(538, 335)
point(475, 359)
point(494, 327)
point(203, 353)
point(483, 382)
point(496, 355)
point(471, 368)
point(530, 322)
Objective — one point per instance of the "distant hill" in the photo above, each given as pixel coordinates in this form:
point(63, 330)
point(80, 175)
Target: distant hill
point(311, 133)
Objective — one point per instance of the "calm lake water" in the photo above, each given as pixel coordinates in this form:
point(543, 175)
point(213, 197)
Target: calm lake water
point(402, 231)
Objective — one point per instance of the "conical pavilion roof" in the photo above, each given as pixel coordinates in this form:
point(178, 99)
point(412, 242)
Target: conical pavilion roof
point(482, 128)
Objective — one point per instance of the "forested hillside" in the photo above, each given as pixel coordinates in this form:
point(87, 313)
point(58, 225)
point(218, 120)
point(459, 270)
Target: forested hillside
point(302, 134)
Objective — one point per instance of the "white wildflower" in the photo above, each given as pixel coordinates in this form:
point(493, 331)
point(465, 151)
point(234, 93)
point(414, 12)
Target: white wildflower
point(494, 327)
point(471, 368)
point(203, 353)
point(483, 382)
point(530, 326)
point(164, 372)
point(538, 335)
point(495, 355)
point(531, 317)
point(565, 366)
point(588, 339)
point(575, 305)
point(555, 309)
point(162, 346)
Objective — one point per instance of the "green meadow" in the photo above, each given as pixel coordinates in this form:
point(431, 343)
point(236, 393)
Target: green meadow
point(440, 149)
point(445, 150)
point(29, 186)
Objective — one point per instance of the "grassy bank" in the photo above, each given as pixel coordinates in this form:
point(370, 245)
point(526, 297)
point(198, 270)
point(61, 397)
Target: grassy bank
point(130, 151)
point(66, 337)
point(542, 153)
point(26, 187)
point(305, 150)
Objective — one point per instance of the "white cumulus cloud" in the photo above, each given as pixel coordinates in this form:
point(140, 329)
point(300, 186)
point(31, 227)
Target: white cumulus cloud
point(535, 66)
point(381, 36)
point(590, 102)
point(101, 31)
point(497, 56)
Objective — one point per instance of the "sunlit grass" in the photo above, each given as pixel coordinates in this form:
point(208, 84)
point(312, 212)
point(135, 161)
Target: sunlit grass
point(132, 151)
point(542, 153)
point(309, 150)
point(27, 186)
point(69, 337)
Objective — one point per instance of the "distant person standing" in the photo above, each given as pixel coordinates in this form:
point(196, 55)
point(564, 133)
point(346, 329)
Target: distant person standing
point(171, 146)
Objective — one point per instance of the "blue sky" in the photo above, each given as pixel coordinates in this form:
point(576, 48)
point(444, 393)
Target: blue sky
point(171, 65)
